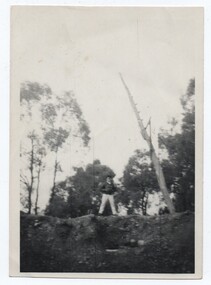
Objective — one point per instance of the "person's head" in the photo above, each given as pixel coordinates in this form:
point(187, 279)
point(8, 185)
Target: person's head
point(109, 179)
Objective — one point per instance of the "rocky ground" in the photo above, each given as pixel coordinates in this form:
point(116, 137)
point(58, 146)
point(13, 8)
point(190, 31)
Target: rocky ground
point(129, 244)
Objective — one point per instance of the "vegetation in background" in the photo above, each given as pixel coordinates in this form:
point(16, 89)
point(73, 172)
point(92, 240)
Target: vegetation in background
point(53, 119)
point(179, 168)
point(79, 194)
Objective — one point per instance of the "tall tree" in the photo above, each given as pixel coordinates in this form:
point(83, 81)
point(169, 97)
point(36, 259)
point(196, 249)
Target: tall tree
point(29, 183)
point(31, 94)
point(139, 180)
point(62, 116)
point(52, 118)
point(155, 160)
point(55, 138)
point(35, 165)
point(41, 153)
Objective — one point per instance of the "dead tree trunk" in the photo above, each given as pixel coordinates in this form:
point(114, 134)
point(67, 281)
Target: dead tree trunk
point(155, 160)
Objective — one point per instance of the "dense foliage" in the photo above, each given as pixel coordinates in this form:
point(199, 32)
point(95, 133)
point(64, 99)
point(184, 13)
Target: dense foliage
point(79, 194)
point(139, 180)
point(179, 168)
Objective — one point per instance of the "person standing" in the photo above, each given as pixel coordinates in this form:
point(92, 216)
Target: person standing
point(108, 189)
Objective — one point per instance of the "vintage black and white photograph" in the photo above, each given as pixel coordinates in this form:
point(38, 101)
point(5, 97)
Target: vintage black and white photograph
point(106, 151)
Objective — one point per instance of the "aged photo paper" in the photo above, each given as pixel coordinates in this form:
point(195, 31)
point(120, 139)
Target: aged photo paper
point(106, 142)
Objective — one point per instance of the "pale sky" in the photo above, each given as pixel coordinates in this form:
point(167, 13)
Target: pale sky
point(84, 49)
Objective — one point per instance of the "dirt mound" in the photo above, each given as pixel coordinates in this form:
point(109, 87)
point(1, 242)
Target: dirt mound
point(162, 244)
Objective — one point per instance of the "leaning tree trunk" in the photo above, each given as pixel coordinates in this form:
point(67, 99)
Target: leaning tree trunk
point(155, 160)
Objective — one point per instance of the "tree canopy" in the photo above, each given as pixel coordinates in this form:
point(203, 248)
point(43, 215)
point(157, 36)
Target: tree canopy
point(180, 165)
point(79, 194)
point(47, 120)
point(139, 180)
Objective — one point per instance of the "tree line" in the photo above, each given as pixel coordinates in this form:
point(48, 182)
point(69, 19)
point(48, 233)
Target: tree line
point(59, 116)
point(48, 122)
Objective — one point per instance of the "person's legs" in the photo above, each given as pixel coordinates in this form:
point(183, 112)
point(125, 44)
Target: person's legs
point(103, 203)
point(113, 208)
